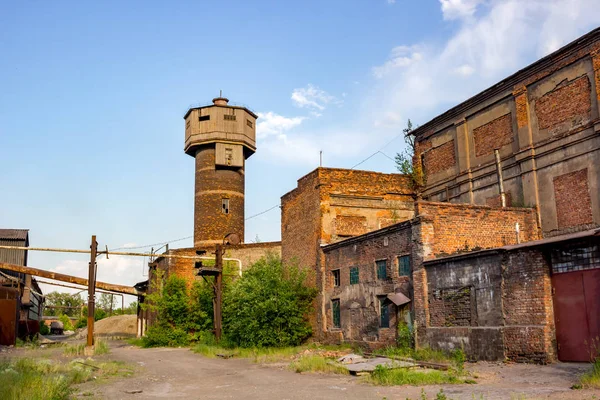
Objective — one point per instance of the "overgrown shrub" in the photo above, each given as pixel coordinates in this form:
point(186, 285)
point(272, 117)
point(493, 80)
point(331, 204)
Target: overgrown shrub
point(67, 324)
point(44, 329)
point(268, 306)
point(181, 313)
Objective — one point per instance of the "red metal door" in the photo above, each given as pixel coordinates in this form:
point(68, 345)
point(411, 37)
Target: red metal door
point(8, 322)
point(576, 313)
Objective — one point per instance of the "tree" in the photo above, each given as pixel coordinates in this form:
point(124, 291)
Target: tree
point(409, 162)
point(107, 302)
point(59, 303)
point(268, 306)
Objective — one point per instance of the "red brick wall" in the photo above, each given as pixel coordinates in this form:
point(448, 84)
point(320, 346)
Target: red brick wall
point(527, 307)
point(572, 196)
point(462, 227)
point(301, 222)
point(440, 158)
point(571, 101)
point(493, 135)
point(496, 201)
point(347, 225)
point(212, 185)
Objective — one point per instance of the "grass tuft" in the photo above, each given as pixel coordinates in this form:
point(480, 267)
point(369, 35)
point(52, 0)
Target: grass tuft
point(44, 379)
point(316, 363)
point(100, 347)
point(591, 379)
point(403, 376)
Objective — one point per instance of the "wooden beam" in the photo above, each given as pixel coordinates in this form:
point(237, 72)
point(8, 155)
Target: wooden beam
point(69, 279)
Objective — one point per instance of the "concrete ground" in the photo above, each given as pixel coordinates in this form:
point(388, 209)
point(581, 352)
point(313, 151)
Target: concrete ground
point(166, 373)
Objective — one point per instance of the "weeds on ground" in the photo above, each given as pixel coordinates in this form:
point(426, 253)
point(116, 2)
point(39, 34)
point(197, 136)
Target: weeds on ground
point(44, 379)
point(317, 363)
point(100, 347)
point(404, 376)
point(28, 343)
point(590, 379)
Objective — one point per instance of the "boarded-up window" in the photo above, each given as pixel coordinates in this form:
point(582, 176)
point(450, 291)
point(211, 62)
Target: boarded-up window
point(450, 307)
point(570, 102)
point(573, 202)
point(493, 135)
point(348, 225)
point(440, 158)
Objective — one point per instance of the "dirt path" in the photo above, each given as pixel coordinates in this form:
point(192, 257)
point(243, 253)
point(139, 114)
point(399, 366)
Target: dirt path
point(180, 374)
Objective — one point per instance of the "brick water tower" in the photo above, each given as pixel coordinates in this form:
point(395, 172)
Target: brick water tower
point(220, 137)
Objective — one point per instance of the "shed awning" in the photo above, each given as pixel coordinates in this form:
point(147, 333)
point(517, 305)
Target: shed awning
point(398, 298)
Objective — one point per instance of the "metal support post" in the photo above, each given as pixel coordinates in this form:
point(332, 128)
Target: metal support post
point(91, 292)
point(218, 291)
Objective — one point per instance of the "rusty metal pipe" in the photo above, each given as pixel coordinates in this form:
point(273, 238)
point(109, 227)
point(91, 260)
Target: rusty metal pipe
point(70, 279)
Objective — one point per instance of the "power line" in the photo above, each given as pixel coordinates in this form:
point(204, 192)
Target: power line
point(380, 151)
point(153, 244)
point(262, 212)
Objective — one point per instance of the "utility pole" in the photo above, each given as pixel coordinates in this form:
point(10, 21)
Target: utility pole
point(91, 292)
point(218, 291)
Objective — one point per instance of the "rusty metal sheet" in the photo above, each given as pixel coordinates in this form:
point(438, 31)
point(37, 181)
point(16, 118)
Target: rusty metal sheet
point(576, 313)
point(8, 322)
point(398, 298)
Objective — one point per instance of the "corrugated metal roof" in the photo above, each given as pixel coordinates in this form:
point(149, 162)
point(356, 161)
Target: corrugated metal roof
point(14, 234)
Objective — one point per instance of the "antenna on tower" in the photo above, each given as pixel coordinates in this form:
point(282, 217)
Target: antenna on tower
point(220, 93)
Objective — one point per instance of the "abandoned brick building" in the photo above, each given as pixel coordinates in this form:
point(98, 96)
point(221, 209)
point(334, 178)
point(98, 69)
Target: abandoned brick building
point(499, 254)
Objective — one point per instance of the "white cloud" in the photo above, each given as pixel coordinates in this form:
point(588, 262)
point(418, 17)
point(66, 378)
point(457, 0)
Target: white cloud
point(272, 124)
point(490, 44)
point(464, 70)
point(456, 9)
point(400, 57)
point(313, 98)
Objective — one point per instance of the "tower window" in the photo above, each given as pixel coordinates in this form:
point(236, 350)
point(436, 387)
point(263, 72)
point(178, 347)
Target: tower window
point(228, 155)
point(229, 117)
point(204, 118)
point(249, 123)
point(225, 206)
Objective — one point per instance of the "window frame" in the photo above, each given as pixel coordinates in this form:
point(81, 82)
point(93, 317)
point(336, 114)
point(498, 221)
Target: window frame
point(336, 311)
point(378, 269)
point(357, 270)
point(225, 207)
point(384, 313)
point(336, 277)
point(408, 265)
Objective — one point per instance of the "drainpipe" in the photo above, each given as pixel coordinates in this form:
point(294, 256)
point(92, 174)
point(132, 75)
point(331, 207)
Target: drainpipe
point(500, 179)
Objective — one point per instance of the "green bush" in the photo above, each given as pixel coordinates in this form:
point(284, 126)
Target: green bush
point(165, 336)
point(67, 324)
point(268, 306)
point(44, 329)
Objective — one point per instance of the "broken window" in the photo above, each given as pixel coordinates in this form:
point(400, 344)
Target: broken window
point(225, 206)
point(384, 311)
point(335, 309)
point(204, 118)
point(354, 275)
point(381, 269)
point(575, 256)
point(404, 265)
point(229, 117)
point(249, 123)
point(336, 277)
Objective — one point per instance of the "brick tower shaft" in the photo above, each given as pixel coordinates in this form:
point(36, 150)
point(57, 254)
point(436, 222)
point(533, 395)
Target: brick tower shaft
point(220, 137)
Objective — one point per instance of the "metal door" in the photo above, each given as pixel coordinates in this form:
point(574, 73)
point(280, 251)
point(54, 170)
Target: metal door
point(577, 314)
point(8, 322)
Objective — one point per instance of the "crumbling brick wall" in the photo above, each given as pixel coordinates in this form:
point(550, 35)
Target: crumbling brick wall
point(463, 227)
point(440, 158)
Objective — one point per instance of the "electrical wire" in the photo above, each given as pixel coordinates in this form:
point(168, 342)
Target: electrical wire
point(380, 151)
point(262, 212)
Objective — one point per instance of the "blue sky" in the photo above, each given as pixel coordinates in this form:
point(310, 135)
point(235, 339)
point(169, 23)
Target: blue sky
point(92, 96)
